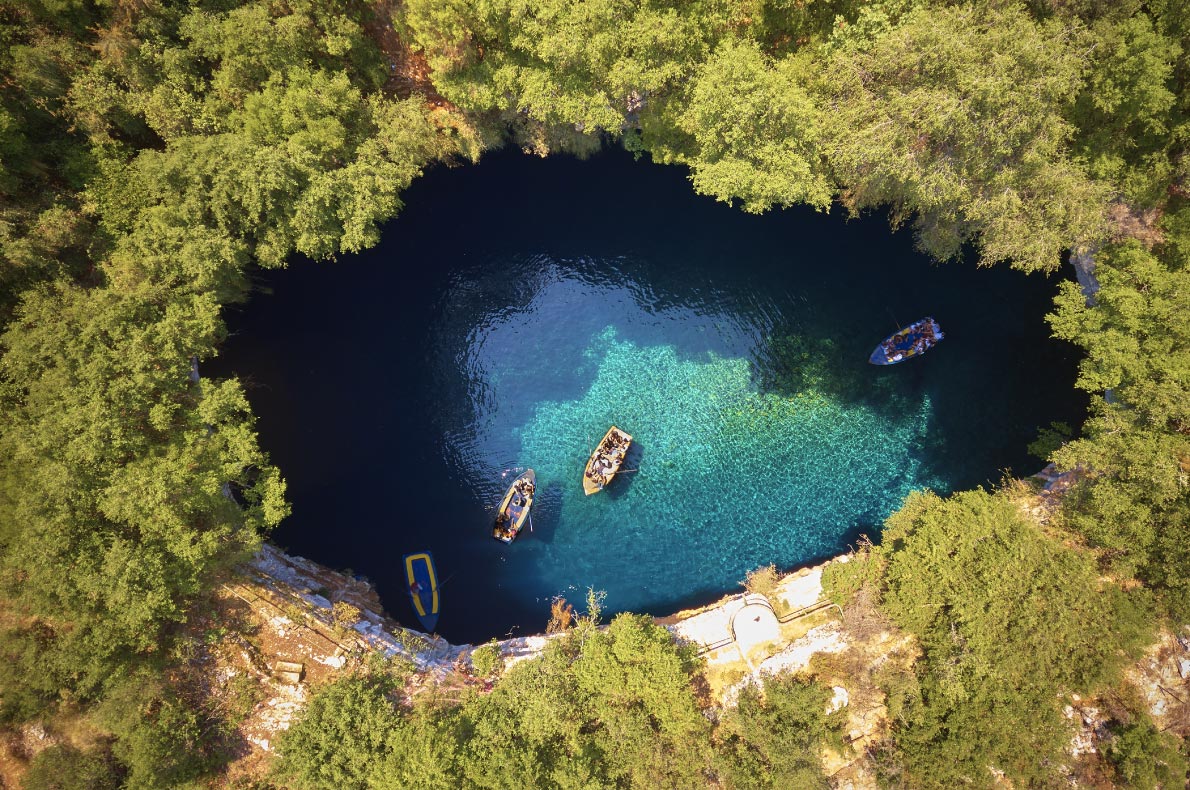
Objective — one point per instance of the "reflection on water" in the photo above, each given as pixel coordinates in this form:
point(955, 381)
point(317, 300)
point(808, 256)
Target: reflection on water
point(400, 390)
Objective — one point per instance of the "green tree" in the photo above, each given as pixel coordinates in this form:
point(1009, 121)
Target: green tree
point(343, 737)
point(1146, 758)
point(117, 467)
point(1126, 110)
point(756, 131)
point(957, 118)
point(1007, 619)
point(486, 660)
point(43, 162)
point(159, 736)
point(314, 168)
point(774, 736)
point(1134, 497)
point(63, 767)
point(591, 66)
point(601, 708)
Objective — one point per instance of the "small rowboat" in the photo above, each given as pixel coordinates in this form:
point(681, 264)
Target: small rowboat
point(912, 341)
point(605, 461)
point(514, 508)
point(423, 588)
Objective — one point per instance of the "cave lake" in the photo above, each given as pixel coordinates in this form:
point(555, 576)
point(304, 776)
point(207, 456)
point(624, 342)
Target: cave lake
point(519, 307)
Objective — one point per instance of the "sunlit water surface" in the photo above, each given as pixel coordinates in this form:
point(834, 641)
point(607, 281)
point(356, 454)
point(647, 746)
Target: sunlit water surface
point(518, 308)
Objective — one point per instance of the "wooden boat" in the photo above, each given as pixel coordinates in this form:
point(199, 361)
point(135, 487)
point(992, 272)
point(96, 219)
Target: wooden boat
point(423, 588)
point(606, 460)
point(514, 508)
point(912, 341)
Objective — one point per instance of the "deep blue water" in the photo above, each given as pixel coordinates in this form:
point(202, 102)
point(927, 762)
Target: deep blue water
point(517, 308)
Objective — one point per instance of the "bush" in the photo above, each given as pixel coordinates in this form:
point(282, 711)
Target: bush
point(561, 616)
point(1050, 439)
point(774, 736)
point(344, 615)
point(762, 581)
point(161, 738)
point(1007, 619)
point(64, 767)
point(842, 580)
point(342, 738)
point(1146, 759)
point(487, 660)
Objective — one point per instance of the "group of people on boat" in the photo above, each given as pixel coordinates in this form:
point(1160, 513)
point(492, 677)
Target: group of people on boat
point(519, 499)
point(513, 511)
point(909, 342)
point(522, 492)
point(607, 458)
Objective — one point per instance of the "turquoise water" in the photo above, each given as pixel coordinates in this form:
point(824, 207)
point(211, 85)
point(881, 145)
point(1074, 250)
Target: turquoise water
point(518, 308)
point(730, 478)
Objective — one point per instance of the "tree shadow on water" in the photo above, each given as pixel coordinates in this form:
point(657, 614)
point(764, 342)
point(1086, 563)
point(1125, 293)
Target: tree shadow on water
point(796, 364)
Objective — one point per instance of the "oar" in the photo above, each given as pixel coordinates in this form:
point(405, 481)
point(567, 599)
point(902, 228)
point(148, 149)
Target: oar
point(893, 317)
point(530, 522)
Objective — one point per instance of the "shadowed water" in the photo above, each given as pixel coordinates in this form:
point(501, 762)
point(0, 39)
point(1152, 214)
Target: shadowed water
point(518, 308)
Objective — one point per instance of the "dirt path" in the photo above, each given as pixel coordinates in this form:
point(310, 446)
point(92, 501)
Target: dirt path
point(408, 71)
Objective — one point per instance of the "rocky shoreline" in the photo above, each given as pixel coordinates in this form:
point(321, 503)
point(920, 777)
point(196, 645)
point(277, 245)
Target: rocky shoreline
point(321, 622)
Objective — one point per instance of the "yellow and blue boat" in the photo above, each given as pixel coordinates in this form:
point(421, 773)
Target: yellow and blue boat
point(423, 588)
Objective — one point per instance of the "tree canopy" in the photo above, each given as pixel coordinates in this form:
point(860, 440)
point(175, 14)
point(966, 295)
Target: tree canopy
point(1134, 454)
point(601, 708)
point(1008, 620)
point(152, 153)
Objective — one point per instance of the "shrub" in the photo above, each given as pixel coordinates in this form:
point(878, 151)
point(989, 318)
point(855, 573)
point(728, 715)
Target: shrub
point(773, 737)
point(1146, 759)
point(842, 580)
point(561, 616)
point(64, 767)
point(487, 660)
point(762, 581)
point(344, 615)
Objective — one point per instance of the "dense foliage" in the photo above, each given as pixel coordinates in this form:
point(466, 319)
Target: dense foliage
point(613, 708)
point(151, 152)
point(774, 736)
point(1008, 620)
point(1134, 501)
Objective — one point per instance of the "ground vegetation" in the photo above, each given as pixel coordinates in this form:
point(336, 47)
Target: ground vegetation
point(602, 707)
